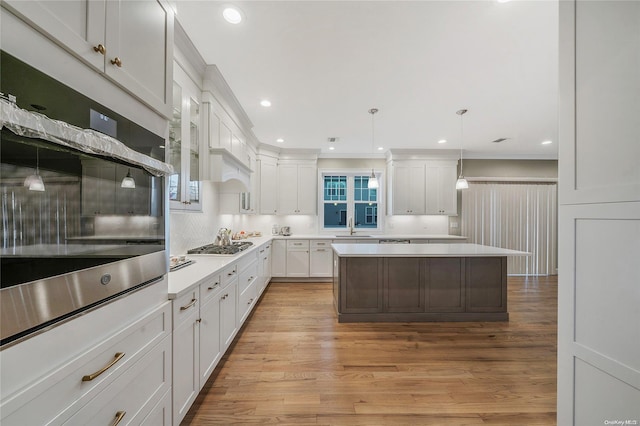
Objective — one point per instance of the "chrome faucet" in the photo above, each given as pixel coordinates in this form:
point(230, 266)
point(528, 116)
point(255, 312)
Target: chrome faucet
point(351, 230)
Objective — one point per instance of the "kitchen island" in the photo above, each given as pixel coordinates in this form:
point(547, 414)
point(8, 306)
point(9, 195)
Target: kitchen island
point(420, 282)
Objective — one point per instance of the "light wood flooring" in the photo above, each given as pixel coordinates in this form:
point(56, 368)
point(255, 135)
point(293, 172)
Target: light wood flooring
point(293, 363)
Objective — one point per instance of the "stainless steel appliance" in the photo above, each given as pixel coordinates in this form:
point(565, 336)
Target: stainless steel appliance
point(285, 230)
point(227, 249)
point(82, 217)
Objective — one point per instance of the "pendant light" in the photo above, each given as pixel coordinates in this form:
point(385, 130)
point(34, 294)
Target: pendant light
point(127, 181)
point(34, 182)
point(373, 180)
point(461, 183)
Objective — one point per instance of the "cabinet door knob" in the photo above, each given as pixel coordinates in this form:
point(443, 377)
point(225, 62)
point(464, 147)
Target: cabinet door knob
point(117, 62)
point(100, 49)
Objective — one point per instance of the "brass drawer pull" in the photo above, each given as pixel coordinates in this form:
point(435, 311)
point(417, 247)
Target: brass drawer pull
point(214, 286)
point(192, 303)
point(118, 62)
point(119, 416)
point(118, 356)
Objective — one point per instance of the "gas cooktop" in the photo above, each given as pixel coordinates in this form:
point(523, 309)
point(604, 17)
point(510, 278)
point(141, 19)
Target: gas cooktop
point(230, 249)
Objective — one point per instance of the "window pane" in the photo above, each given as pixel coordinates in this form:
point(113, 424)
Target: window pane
point(335, 188)
point(366, 215)
point(361, 192)
point(335, 215)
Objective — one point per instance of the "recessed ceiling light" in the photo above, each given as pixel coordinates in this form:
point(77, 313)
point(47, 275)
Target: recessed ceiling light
point(546, 142)
point(279, 140)
point(331, 148)
point(232, 15)
point(503, 1)
point(442, 141)
point(380, 148)
point(265, 103)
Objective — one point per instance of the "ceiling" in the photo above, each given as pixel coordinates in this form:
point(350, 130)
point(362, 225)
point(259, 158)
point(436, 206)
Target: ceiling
point(324, 64)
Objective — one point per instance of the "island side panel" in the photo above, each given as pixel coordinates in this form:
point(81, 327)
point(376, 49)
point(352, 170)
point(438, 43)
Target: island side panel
point(445, 284)
point(404, 284)
point(486, 284)
point(361, 285)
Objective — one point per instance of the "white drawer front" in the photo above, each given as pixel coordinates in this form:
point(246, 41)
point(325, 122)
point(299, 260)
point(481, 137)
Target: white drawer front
point(247, 277)
point(320, 244)
point(229, 274)
point(209, 288)
point(61, 393)
point(246, 301)
point(297, 244)
point(246, 260)
point(134, 394)
point(184, 305)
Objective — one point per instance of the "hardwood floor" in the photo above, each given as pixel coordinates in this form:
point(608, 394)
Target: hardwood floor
point(292, 363)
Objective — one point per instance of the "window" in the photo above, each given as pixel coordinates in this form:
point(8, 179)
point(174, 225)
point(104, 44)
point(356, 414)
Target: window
point(346, 196)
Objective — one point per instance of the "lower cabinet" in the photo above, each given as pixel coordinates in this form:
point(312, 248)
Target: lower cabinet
point(297, 258)
point(278, 258)
point(320, 259)
point(302, 258)
point(113, 362)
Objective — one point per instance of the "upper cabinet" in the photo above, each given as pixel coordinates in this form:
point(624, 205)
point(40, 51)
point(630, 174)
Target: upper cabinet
point(123, 40)
point(268, 185)
point(297, 185)
point(423, 187)
point(184, 149)
point(442, 196)
point(408, 188)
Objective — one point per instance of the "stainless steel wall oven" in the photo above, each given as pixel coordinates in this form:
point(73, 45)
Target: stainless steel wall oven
point(82, 211)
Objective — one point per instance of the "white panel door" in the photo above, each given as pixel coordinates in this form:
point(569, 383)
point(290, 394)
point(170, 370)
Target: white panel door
point(268, 188)
point(307, 193)
point(599, 213)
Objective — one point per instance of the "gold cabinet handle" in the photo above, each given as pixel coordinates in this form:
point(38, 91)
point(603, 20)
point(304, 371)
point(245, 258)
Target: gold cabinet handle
point(118, 356)
point(214, 286)
point(100, 49)
point(117, 62)
point(192, 303)
point(119, 416)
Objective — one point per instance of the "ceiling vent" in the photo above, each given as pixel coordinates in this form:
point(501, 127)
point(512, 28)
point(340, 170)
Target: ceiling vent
point(333, 139)
point(499, 140)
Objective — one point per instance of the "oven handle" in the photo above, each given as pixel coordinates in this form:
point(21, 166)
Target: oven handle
point(90, 377)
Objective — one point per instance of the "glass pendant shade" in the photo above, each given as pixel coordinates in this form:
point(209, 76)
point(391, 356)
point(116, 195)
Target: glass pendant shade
point(128, 181)
point(34, 182)
point(373, 181)
point(462, 183)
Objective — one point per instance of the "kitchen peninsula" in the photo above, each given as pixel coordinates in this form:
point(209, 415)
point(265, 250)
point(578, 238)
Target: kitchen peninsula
point(420, 282)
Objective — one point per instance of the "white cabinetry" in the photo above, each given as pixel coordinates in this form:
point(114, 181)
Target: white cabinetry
point(115, 360)
point(210, 349)
point(442, 196)
point(264, 267)
point(279, 258)
point(186, 352)
point(297, 189)
point(185, 145)
point(228, 298)
point(268, 186)
point(122, 40)
point(320, 259)
point(408, 189)
point(247, 287)
point(423, 187)
point(297, 258)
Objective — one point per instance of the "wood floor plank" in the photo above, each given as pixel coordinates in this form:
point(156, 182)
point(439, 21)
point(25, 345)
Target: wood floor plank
point(293, 363)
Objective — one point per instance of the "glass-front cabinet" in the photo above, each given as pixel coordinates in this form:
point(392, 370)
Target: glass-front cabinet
point(184, 152)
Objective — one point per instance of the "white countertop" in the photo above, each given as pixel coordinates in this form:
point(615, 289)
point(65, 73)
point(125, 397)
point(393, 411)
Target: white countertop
point(422, 250)
point(206, 265)
point(363, 235)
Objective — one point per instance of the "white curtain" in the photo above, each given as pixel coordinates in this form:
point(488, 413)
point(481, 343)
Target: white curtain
point(518, 216)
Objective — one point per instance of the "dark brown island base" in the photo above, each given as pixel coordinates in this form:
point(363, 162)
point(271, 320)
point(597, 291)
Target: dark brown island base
point(420, 282)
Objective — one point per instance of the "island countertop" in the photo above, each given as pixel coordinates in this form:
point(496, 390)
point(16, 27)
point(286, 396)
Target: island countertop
point(422, 250)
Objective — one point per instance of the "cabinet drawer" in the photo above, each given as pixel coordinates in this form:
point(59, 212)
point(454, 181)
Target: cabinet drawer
point(246, 302)
point(247, 277)
point(298, 245)
point(246, 260)
point(58, 395)
point(184, 305)
point(134, 394)
point(321, 244)
point(228, 275)
point(209, 288)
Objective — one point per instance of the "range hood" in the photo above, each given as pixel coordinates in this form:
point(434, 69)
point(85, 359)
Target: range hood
point(224, 167)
